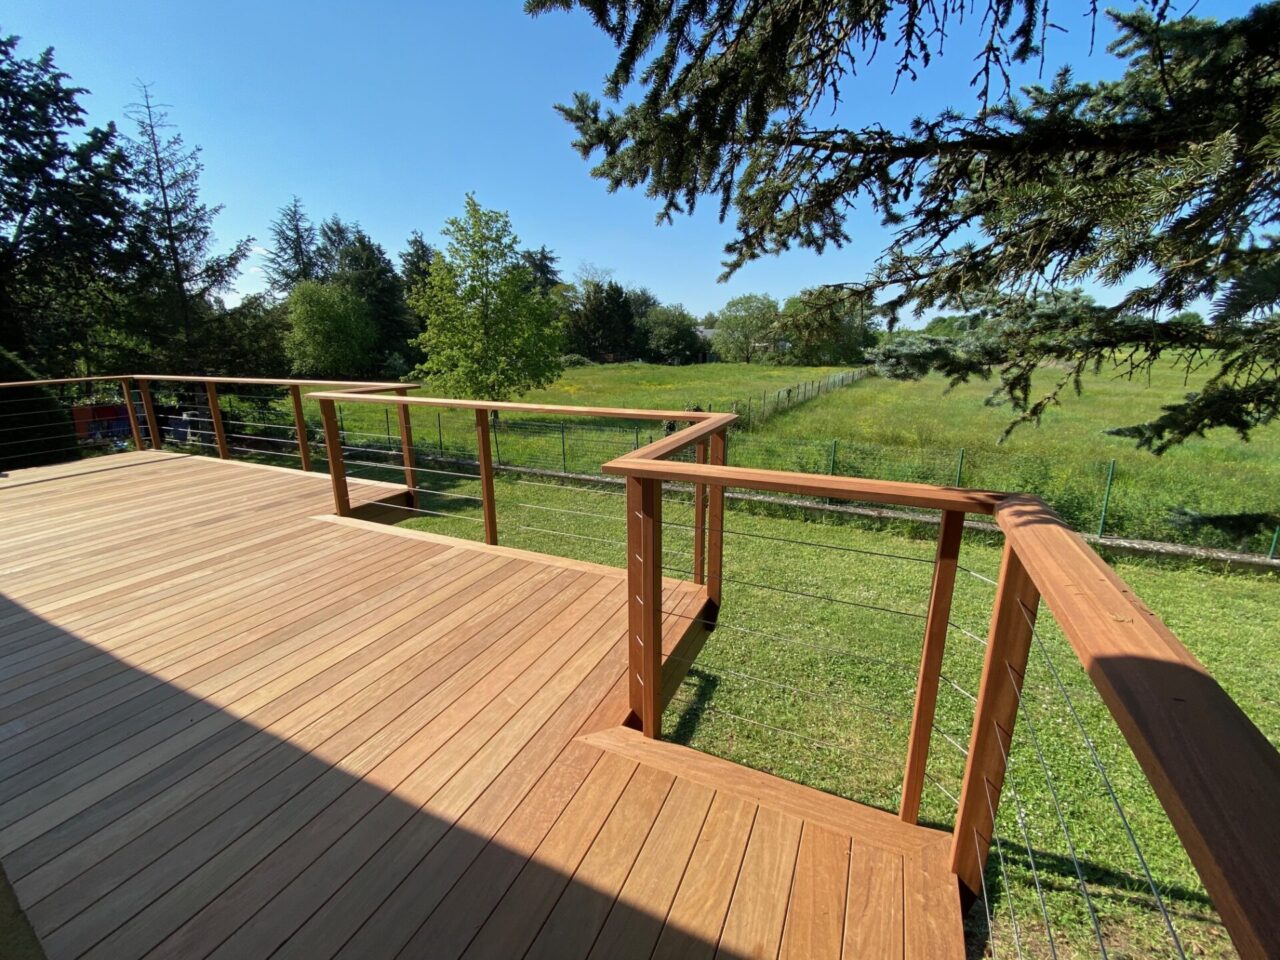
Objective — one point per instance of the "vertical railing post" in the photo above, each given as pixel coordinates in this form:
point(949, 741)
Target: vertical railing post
point(486, 476)
point(1008, 644)
point(300, 427)
point(1106, 497)
point(406, 449)
point(126, 386)
point(644, 602)
point(149, 408)
point(215, 417)
point(700, 521)
point(333, 448)
point(564, 451)
point(935, 638)
point(715, 521)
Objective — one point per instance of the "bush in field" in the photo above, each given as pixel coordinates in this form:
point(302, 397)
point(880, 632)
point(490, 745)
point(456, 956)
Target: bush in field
point(331, 331)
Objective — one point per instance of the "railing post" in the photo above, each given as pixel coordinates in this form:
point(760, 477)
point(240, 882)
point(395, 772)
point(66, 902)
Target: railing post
point(935, 637)
point(215, 417)
point(1008, 644)
point(700, 521)
point(715, 521)
point(149, 407)
point(300, 427)
point(644, 602)
point(126, 385)
point(486, 476)
point(406, 448)
point(333, 447)
point(1106, 497)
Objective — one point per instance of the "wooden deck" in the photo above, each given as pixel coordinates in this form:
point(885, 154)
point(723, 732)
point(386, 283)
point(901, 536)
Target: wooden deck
point(232, 726)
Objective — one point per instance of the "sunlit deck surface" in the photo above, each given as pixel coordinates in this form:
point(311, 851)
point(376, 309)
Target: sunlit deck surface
point(233, 726)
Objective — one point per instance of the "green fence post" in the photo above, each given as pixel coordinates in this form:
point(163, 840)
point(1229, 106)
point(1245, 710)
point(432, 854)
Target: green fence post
point(439, 432)
point(564, 451)
point(1106, 496)
point(341, 426)
point(960, 467)
point(497, 448)
point(748, 413)
point(832, 471)
point(386, 412)
point(1275, 543)
point(637, 443)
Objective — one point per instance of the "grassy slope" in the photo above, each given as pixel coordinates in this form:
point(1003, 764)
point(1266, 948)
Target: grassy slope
point(913, 430)
point(714, 385)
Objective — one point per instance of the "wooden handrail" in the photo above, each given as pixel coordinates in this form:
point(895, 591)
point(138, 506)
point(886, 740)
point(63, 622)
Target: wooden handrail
point(185, 378)
point(1214, 772)
point(613, 413)
point(810, 484)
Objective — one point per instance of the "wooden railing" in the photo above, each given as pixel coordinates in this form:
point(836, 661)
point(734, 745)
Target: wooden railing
point(1214, 772)
point(145, 425)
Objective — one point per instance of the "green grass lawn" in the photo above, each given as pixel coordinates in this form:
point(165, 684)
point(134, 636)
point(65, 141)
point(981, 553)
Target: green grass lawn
point(1215, 491)
point(715, 386)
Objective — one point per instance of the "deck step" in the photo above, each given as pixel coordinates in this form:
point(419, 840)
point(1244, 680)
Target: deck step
point(847, 879)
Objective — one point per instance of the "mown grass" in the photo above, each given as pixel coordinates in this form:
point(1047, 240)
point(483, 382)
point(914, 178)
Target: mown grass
point(1215, 491)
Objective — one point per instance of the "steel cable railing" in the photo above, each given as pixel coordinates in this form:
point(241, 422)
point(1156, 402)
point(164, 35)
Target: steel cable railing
point(848, 644)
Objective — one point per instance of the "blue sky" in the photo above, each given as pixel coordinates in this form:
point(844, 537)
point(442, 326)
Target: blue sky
point(388, 112)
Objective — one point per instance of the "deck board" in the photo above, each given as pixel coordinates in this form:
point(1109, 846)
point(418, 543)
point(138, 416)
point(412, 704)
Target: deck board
point(232, 725)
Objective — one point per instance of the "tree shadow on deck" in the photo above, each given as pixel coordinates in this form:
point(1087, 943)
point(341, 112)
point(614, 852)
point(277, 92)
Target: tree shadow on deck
point(136, 815)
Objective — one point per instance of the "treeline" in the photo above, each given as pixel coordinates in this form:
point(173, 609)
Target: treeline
point(108, 263)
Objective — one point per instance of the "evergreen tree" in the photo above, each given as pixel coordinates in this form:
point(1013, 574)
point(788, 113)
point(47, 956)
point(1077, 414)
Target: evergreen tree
point(600, 323)
point(293, 256)
point(65, 212)
point(364, 268)
point(415, 260)
point(541, 264)
point(490, 334)
point(335, 234)
point(178, 272)
point(1162, 184)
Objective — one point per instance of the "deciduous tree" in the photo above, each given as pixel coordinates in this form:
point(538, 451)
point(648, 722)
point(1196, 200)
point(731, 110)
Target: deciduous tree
point(491, 333)
point(745, 328)
point(331, 331)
